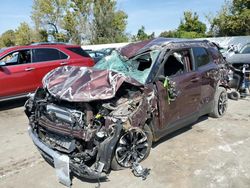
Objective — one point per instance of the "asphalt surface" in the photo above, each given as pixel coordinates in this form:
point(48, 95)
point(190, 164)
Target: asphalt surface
point(212, 153)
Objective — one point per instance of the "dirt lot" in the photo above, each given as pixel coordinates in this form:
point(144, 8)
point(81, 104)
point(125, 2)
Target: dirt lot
point(212, 153)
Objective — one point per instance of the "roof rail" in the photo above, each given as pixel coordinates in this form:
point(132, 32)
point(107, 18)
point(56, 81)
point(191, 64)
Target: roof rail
point(48, 43)
point(191, 40)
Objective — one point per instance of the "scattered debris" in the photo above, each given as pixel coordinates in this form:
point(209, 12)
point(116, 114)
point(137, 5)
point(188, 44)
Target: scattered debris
point(139, 171)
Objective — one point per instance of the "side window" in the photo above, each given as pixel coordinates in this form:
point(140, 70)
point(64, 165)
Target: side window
point(47, 54)
point(17, 57)
point(216, 55)
point(177, 63)
point(201, 56)
point(246, 50)
point(79, 51)
point(63, 55)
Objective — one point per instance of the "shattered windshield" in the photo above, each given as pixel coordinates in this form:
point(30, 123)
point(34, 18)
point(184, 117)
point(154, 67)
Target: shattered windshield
point(137, 67)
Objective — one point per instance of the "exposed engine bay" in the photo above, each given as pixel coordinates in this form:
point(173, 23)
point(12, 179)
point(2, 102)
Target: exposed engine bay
point(88, 132)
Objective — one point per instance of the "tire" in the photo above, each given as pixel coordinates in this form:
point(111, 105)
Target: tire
point(234, 95)
point(220, 103)
point(117, 163)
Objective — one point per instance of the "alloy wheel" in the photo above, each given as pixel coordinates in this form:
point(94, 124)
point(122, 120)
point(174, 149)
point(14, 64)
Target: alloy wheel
point(132, 147)
point(222, 104)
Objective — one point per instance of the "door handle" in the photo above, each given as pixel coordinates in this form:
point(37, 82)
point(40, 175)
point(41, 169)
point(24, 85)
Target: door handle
point(64, 63)
point(195, 79)
point(29, 69)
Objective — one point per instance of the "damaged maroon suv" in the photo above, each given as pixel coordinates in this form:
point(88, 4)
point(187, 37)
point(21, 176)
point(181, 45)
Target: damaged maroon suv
point(106, 117)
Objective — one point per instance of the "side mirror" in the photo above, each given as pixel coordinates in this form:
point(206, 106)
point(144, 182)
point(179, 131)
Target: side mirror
point(2, 63)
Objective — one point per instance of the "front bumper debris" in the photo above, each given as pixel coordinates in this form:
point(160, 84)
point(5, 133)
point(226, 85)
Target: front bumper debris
point(62, 163)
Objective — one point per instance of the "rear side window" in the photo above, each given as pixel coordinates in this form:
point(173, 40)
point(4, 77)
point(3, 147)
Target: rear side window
point(246, 50)
point(47, 54)
point(201, 56)
point(216, 55)
point(79, 51)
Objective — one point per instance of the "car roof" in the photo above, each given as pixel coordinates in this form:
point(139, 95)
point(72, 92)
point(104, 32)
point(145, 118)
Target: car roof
point(133, 49)
point(39, 45)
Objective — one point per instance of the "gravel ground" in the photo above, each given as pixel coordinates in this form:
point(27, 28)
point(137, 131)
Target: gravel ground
point(211, 153)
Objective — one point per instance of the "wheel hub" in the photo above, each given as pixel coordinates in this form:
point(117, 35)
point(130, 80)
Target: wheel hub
point(131, 147)
point(222, 105)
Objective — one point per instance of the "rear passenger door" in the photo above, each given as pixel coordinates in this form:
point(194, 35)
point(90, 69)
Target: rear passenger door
point(46, 59)
point(209, 73)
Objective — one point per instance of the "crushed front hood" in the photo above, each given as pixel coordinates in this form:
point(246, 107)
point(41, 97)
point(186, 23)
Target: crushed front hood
point(81, 84)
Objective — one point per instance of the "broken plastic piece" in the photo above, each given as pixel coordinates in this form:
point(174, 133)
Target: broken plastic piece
point(61, 164)
point(139, 171)
point(100, 167)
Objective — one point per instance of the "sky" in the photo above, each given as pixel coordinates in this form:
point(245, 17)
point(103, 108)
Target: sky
point(155, 15)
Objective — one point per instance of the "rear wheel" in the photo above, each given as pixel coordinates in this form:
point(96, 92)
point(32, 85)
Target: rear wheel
point(220, 103)
point(133, 146)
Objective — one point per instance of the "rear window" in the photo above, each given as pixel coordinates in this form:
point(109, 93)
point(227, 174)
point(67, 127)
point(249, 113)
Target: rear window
point(79, 51)
point(201, 56)
point(47, 54)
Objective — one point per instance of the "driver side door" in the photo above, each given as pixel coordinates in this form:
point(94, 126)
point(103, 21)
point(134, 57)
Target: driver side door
point(184, 108)
point(16, 77)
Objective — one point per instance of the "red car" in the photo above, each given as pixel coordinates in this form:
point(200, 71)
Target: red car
point(23, 67)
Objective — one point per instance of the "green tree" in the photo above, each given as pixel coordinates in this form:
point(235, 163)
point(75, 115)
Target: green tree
point(232, 20)
point(95, 20)
point(108, 24)
point(7, 39)
point(48, 11)
point(70, 25)
point(189, 27)
point(23, 34)
point(62, 37)
point(169, 34)
point(76, 21)
point(45, 12)
point(42, 36)
point(191, 23)
point(142, 35)
point(119, 24)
